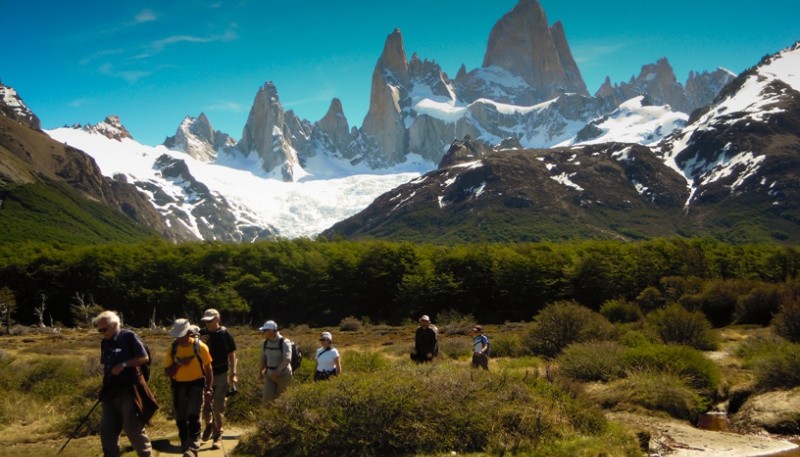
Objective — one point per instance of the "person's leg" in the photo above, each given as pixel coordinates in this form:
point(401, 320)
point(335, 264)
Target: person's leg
point(134, 427)
point(270, 388)
point(181, 413)
point(218, 407)
point(194, 400)
point(282, 383)
point(110, 426)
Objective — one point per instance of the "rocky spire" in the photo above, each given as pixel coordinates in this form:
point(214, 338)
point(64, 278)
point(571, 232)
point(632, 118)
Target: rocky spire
point(522, 43)
point(384, 120)
point(196, 137)
point(12, 106)
point(335, 125)
point(111, 128)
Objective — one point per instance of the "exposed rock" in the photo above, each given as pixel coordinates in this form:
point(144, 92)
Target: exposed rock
point(334, 125)
point(111, 128)
point(656, 81)
point(196, 137)
point(522, 43)
point(703, 88)
point(12, 106)
point(775, 412)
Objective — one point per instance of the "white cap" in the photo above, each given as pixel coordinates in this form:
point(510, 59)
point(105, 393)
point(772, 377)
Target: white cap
point(269, 325)
point(425, 318)
point(180, 328)
point(326, 335)
point(209, 315)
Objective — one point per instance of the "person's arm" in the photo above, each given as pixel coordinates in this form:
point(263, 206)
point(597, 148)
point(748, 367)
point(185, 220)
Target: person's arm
point(337, 362)
point(138, 348)
point(286, 351)
point(262, 366)
point(232, 360)
point(208, 373)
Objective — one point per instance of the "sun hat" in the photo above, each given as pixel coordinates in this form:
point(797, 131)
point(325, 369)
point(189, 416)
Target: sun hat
point(425, 318)
point(209, 315)
point(326, 335)
point(477, 328)
point(180, 328)
point(269, 325)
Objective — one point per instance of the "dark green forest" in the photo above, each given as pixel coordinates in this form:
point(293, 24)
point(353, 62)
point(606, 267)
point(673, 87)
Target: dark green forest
point(321, 282)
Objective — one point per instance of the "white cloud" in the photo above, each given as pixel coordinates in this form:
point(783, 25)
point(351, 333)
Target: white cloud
point(592, 52)
point(224, 106)
point(145, 16)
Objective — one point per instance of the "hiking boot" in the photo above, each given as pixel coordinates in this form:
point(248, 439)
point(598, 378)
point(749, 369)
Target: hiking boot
point(217, 444)
point(190, 453)
point(207, 432)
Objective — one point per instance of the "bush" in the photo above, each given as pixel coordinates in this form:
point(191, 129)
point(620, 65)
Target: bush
point(452, 322)
point(775, 363)
point(688, 364)
point(563, 323)
point(363, 361)
point(620, 310)
point(651, 298)
point(350, 324)
point(593, 361)
point(787, 322)
point(506, 345)
point(429, 409)
point(455, 348)
point(758, 306)
point(675, 324)
point(655, 390)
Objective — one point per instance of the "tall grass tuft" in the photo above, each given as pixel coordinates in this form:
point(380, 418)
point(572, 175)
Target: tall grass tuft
point(408, 409)
point(675, 324)
point(656, 391)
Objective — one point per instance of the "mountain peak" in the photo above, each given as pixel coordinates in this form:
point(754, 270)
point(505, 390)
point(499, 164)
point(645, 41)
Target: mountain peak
point(523, 43)
point(393, 57)
point(12, 106)
point(111, 128)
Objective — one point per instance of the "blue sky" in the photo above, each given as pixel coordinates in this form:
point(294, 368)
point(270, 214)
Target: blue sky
point(153, 62)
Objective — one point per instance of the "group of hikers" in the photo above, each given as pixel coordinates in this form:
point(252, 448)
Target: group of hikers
point(201, 364)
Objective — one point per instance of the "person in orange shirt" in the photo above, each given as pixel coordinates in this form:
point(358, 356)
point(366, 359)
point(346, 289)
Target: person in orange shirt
point(188, 365)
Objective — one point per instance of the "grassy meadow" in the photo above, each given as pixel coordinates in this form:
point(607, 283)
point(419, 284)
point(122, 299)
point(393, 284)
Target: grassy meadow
point(537, 399)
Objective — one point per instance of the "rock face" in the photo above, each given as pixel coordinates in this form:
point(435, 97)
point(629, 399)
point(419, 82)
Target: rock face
point(12, 107)
point(111, 128)
point(775, 412)
point(524, 44)
point(658, 83)
point(196, 137)
point(265, 134)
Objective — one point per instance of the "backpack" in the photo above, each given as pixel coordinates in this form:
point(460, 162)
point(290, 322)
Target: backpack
point(297, 356)
point(146, 367)
point(195, 346)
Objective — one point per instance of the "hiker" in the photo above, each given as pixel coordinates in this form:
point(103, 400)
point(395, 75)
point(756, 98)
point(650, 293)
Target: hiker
point(188, 365)
point(128, 403)
point(329, 363)
point(223, 362)
point(480, 349)
point(426, 341)
point(275, 370)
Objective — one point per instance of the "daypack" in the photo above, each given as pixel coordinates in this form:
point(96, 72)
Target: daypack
point(195, 346)
point(297, 356)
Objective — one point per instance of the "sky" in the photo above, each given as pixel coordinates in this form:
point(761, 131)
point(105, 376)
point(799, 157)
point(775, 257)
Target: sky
point(155, 62)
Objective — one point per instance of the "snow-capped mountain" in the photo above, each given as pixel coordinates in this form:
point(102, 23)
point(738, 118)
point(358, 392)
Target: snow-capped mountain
point(196, 137)
point(732, 170)
point(12, 106)
point(228, 199)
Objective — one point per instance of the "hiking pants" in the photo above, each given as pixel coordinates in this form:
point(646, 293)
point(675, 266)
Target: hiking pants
point(188, 400)
point(274, 389)
point(119, 413)
point(480, 360)
point(216, 408)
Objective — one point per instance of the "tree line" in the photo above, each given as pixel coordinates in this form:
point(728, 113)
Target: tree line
point(319, 282)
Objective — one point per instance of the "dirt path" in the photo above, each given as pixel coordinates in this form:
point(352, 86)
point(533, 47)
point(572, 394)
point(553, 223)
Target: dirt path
point(678, 439)
point(170, 445)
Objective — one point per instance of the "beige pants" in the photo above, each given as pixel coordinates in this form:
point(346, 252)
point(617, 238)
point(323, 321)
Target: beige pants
point(274, 388)
point(216, 408)
point(119, 413)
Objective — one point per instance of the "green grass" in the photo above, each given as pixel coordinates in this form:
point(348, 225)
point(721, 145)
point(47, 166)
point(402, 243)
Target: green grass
point(55, 213)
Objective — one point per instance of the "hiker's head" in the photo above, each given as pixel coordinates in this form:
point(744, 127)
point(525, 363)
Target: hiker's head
point(211, 319)
point(181, 330)
point(325, 338)
point(269, 329)
point(477, 329)
point(107, 323)
point(424, 320)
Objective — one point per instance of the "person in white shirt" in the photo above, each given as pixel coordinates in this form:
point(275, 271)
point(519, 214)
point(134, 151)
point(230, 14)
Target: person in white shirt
point(329, 363)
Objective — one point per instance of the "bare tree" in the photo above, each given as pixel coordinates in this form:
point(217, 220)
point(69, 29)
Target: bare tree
point(83, 310)
point(8, 305)
point(39, 311)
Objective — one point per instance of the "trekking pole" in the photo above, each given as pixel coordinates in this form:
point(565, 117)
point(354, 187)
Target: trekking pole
point(79, 426)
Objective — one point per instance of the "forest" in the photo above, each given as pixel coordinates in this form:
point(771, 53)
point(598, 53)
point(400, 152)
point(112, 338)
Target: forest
point(322, 282)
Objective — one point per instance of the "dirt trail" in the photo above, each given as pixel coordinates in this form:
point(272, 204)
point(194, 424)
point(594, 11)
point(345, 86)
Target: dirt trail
point(170, 445)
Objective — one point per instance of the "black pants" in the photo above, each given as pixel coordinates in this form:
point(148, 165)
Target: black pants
point(187, 398)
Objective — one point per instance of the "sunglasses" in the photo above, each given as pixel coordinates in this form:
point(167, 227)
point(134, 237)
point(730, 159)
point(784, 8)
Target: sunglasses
point(102, 329)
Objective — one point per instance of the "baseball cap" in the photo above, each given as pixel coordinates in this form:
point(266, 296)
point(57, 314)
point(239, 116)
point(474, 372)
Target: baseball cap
point(209, 315)
point(269, 325)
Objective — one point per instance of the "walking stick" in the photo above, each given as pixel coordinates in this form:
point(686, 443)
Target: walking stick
point(79, 426)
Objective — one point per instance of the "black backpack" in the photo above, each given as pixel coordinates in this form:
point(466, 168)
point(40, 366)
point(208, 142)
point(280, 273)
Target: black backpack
point(297, 356)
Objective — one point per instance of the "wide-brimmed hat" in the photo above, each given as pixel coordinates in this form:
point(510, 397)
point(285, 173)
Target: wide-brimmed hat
point(269, 325)
point(425, 318)
point(326, 336)
point(477, 328)
point(209, 315)
point(180, 328)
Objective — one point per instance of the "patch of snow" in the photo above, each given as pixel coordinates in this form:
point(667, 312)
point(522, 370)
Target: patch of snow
point(564, 179)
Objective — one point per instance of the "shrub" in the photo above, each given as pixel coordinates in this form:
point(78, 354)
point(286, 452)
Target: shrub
point(775, 363)
point(619, 310)
point(787, 322)
point(363, 361)
point(675, 287)
point(452, 322)
point(455, 348)
point(718, 299)
point(592, 361)
point(506, 345)
point(563, 323)
point(759, 305)
point(682, 361)
point(350, 324)
point(675, 324)
point(651, 298)
point(655, 390)
point(429, 409)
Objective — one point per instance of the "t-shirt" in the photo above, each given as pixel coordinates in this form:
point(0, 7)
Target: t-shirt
point(274, 353)
point(220, 344)
point(192, 370)
point(325, 360)
point(478, 342)
point(124, 346)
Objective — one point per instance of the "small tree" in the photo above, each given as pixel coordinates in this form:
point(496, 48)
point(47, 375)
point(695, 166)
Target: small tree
point(39, 311)
point(8, 305)
point(82, 310)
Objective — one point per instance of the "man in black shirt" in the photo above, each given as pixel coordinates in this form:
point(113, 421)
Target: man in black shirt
point(128, 403)
point(223, 354)
point(426, 341)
